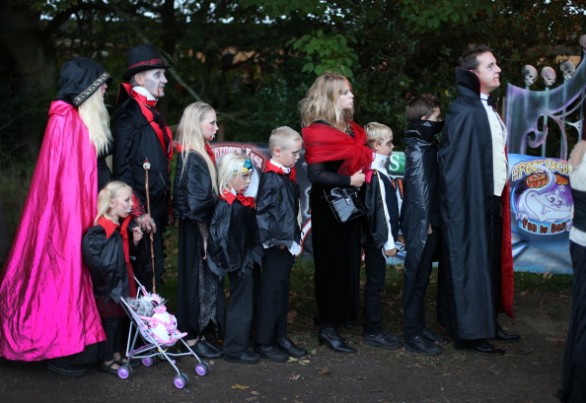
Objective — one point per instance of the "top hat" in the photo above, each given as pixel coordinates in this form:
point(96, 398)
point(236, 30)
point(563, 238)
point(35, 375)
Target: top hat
point(141, 58)
point(80, 77)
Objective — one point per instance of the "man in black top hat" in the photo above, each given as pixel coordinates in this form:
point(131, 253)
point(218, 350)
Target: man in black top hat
point(140, 137)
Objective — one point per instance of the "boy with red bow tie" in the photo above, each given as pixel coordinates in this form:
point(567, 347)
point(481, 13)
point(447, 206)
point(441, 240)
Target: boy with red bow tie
point(276, 214)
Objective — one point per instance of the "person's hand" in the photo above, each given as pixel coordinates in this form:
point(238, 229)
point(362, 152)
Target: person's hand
point(391, 252)
point(136, 235)
point(429, 230)
point(146, 223)
point(357, 178)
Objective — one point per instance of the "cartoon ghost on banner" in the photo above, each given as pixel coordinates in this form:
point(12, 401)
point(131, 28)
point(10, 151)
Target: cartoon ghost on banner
point(541, 201)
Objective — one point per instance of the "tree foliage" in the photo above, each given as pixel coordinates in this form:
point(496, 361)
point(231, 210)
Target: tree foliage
point(254, 59)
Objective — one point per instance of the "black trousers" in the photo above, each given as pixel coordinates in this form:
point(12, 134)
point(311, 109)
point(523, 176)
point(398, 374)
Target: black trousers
point(375, 267)
point(574, 368)
point(274, 295)
point(239, 314)
point(113, 343)
point(415, 281)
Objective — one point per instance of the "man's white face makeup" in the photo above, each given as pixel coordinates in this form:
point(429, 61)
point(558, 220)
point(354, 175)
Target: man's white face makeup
point(153, 81)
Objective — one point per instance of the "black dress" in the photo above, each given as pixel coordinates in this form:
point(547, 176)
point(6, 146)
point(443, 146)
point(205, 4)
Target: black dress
point(336, 250)
point(197, 287)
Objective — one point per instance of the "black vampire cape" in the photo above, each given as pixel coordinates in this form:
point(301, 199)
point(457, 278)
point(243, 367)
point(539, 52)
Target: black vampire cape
point(198, 301)
point(420, 186)
point(466, 185)
point(277, 209)
point(234, 243)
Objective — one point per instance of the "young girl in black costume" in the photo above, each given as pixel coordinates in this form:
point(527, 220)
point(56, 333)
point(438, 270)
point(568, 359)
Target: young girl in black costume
point(235, 249)
point(105, 250)
point(194, 197)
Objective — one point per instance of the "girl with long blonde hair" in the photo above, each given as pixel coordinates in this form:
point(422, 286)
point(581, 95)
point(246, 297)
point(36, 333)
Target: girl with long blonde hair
point(194, 198)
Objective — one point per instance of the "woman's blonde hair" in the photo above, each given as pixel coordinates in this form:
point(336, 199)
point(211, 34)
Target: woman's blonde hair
point(109, 191)
point(231, 165)
point(320, 101)
point(96, 118)
point(190, 137)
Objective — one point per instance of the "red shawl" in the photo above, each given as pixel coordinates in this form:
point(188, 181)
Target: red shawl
point(326, 143)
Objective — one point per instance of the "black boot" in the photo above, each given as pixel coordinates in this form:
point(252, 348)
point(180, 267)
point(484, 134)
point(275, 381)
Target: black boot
point(329, 335)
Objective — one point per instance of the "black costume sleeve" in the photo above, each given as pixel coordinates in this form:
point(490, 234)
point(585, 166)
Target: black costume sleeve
point(123, 131)
point(377, 229)
point(102, 256)
point(193, 197)
point(320, 174)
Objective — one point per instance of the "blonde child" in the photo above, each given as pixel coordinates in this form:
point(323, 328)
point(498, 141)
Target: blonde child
point(382, 231)
point(194, 197)
point(276, 214)
point(235, 250)
point(105, 251)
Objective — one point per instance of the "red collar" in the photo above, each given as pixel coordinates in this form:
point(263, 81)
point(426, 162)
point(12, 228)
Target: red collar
point(110, 226)
point(244, 200)
point(270, 167)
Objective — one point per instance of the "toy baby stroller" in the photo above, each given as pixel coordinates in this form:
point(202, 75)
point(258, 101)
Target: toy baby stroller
point(158, 329)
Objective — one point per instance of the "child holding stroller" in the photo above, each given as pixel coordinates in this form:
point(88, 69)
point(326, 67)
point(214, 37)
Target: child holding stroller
point(234, 249)
point(277, 211)
point(105, 251)
point(194, 197)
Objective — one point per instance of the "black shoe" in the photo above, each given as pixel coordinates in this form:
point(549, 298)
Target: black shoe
point(272, 353)
point(247, 357)
point(67, 370)
point(206, 350)
point(503, 335)
point(481, 346)
point(382, 339)
point(432, 335)
point(421, 344)
point(290, 348)
point(330, 337)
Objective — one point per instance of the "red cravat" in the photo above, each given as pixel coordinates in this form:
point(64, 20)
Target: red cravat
point(244, 200)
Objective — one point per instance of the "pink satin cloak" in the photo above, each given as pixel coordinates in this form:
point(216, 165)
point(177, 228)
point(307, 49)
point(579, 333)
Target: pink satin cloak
point(47, 306)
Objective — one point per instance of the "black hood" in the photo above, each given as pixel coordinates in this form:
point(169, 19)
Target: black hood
point(79, 79)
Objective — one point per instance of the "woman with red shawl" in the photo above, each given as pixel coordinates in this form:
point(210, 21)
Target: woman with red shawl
point(336, 155)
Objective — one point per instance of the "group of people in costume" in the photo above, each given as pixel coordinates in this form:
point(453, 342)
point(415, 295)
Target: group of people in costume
point(455, 210)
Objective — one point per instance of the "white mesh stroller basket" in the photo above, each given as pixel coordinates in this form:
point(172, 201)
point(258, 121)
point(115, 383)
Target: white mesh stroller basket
point(158, 340)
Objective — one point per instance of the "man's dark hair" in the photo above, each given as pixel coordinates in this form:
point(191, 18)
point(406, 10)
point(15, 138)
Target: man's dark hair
point(469, 59)
point(421, 105)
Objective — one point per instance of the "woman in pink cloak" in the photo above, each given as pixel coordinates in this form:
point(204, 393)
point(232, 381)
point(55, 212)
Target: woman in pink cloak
point(47, 306)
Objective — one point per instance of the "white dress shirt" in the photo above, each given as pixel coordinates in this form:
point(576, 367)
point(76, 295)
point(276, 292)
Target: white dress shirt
point(498, 133)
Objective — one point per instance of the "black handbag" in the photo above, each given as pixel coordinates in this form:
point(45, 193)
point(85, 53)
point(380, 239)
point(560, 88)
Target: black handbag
point(345, 203)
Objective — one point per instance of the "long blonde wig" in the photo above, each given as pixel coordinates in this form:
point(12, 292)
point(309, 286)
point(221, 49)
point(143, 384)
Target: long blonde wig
point(191, 139)
point(96, 118)
point(320, 101)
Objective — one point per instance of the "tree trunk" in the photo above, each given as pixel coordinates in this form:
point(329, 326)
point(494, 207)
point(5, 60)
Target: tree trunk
point(29, 72)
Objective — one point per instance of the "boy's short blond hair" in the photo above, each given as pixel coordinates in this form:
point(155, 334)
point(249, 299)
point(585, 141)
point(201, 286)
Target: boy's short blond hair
point(282, 138)
point(377, 133)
